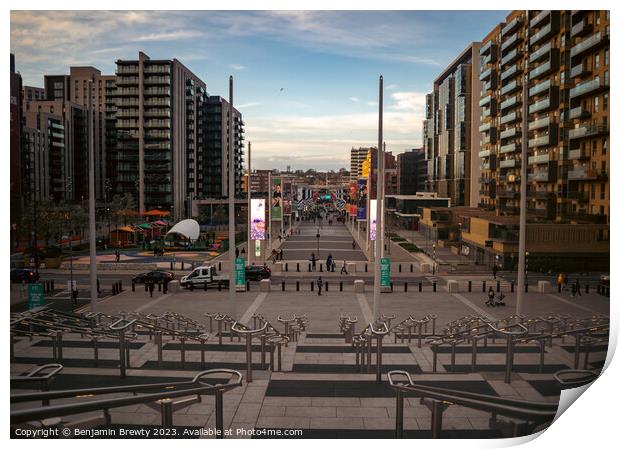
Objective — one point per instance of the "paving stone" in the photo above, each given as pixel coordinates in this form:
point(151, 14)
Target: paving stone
point(284, 422)
point(336, 423)
point(370, 412)
point(311, 411)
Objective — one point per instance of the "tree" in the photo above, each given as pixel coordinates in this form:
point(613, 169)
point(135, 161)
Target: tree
point(123, 206)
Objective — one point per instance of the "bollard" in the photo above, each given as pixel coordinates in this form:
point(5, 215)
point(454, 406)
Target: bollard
point(146, 288)
point(133, 286)
point(366, 268)
point(311, 286)
point(171, 266)
point(392, 286)
point(587, 288)
point(321, 267)
point(526, 287)
point(498, 285)
point(309, 267)
point(283, 286)
point(52, 282)
point(419, 286)
point(159, 286)
point(219, 266)
point(559, 288)
point(98, 286)
point(484, 286)
point(512, 287)
point(411, 268)
point(298, 267)
point(247, 286)
point(219, 286)
point(340, 285)
point(326, 286)
point(204, 286)
point(400, 268)
point(434, 286)
point(182, 265)
point(286, 266)
point(297, 285)
point(405, 286)
point(598, 289)
point(469, 286)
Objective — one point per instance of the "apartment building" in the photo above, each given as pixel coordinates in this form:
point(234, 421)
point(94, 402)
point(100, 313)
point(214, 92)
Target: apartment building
point(215, 152)
point(357, 158)
point(563, 58)
point(411, 169)
point(15, 110)
point(450, 130)
point(157, 132)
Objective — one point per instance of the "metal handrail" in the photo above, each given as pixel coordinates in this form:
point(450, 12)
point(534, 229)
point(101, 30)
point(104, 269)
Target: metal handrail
point(242, 329)
point(588, 376)
point(536, 412)
point(195, 387)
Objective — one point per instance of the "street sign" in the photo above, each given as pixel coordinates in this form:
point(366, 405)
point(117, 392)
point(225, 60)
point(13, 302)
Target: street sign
point(257, 248)
point(385, 272)
point(240, 274)
point(36, 297)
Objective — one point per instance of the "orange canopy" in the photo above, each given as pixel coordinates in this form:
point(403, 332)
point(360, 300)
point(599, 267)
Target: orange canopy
point(156, 213)
point(125, 229)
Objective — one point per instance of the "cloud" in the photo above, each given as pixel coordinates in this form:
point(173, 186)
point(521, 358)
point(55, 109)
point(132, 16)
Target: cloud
point(236, 66)
point(354, 99)
point(409, 101)
point(249, 105)
point(170, 36)
point(391, 86)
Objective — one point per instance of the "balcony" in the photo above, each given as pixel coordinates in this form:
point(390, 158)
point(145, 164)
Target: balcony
point(578, 112)
point(509, 163)
point(579, 71)
point(490, 110)
point(581, 197)
point(582, 28)
point(510, 57)
point(587, 131)
point(540, 106)
point(544, 33)
point(541, 195)
point(510, 87)
point(157, 69)
point(157, 102)
point(157, 91)
point(540, 19)
point(584, 174)
point(588, 44)
point(487, 73)
point(539, 176)
point(486, 48)
point(544, 141)
point(588, 87)
point(542, 69)
point(485, 166)
point(509, 73)
point(510, 132)
point(545, 50)
point(127, 80)
point(157, 124)
point(508, 118)
point(508, 193)
point(577, 155)
point(490, 84)
point(540, 123)
point(537, 211)
point(511, 42)
point(541, 87)
point(510, 102)
point(511, 27)
point(489, 138)
point(510, 148)
point(539, 159)
point(486, 100)
point(157, 80)
point(484, 127)
point(484, 153)
point(126, 69)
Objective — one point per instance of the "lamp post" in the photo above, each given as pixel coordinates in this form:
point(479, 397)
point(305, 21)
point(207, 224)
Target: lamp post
point(434, 259)
point(460, 239)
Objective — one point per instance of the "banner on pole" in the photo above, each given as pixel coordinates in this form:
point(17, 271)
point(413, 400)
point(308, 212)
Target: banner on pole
point(257, 219)
point(385, 272)
point(287, 193)
point(36, 296)
point(240, 274)
point(362, 197)
point(276, 199)
point(373, 219)
point(257, 248)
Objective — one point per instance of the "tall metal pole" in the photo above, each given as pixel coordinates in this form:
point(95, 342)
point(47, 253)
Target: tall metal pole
point(523, 200)
point(379, 239)
point(91, 207)
point(268, 208)
point(369, 243)
point(381, 182)
point(232, 288)
point(249, 239)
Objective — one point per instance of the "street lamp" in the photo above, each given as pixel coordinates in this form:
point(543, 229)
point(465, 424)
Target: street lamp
point(434, 259)
point(460, 238)
point(527, 255)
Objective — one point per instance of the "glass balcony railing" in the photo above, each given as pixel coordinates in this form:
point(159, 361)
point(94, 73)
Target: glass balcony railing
point(541, 52)
point(546, 140)
point(510, 132)
point(485, 74)
point(587, 131)
point(578, 112)
point(577, 154)
point(582, 173)
point(509, 163)
point(540, 105)
point(540, 123)
point(510, 87)
point(539, 176)
point(538, 159)
point(540, 18)
point(486, 100)
point(587, 44)
point(511, 27)
point(486, 48)
point(509, 73)
point(510, 148)
point(510, 102)
point(540, 88)
point(484, 153)
point(545, 32)
point(587, 87)
point(484, 127)
point(511, 56)
point(508, 118)
point(579, 71)
point(581, 28)
point(541, 70)
point(510, 42)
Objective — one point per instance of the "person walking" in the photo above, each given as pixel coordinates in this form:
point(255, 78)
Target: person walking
point(74, 295)
point(237, 253)
point(495, 271)
point(577, 287)
point(344, 267)
point(118, 256)
point(319, 284)
point(330, 266)
point(281, 254)
point(151, 286)
point(491, 298)
point(353, 244)
point(560, 280)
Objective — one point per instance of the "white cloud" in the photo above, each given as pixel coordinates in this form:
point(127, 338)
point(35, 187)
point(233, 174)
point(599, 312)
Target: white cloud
point(391, 86)
point(236, 66)
point(409, 101)
point(354, 99)
point(248, 105)
point(170, 36)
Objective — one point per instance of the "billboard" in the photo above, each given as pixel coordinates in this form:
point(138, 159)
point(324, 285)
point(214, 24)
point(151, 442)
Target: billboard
point(362, 197)
point(276, 199)
point(257, 219)
point(373, 219)
point(287, 193)
point(352, 199)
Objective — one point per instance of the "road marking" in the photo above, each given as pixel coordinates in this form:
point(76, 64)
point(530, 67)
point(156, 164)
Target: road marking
point(361, 299)
point(152, 303)
point(474, 307)
point(253, 308)
point(587, 309)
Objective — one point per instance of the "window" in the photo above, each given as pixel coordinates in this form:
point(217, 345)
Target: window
point(605, 101)
point(604, 150)
point(594, 147)
point(606, 78)
point(597, 61)
point(603, 166)
point(595, 104)
point(607, 57)
point(602, 191)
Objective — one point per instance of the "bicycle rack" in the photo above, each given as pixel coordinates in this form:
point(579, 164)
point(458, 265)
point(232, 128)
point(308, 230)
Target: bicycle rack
point(43, 379)
point(510, 336)
point(378, 334)
point(573, 378)
point(248, 333)
point(276, 341)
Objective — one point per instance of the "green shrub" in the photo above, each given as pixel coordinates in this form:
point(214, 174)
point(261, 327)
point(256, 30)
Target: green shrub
point(411, 247)
point(398, 238)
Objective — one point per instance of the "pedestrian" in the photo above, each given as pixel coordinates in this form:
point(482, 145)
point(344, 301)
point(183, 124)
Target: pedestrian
point(344, 267)
point(330, 262)
point(560, 280)
point(491, 298)
point(281, 254)
point(151, 286)
point(313, 260)
point(243, 252)
point(237, 253)
point(74, 295)
point(118, 255)
point(495, 271)
point(319, 284)
point(577, 287)
point(353, 244)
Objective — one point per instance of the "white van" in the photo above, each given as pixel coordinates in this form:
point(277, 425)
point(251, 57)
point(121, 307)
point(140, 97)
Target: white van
point(206, 274)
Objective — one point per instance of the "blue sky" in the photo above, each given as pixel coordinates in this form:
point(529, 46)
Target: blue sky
point(326, 62)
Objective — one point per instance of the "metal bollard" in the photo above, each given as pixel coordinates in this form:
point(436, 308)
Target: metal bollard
point(52, 282)
point(219, 286)
point(286, 266)
point(411, 268)
point(419, 286)
point(326, 286)
point(309, 267)
point(405, 287)
point(469, 286)
point(399, 413)
point(297, 286)
point(298, 267)
point(559, 288)
point(159, 286)
point(340, 285)
point(366, 267)
point(434, 286)
point(498, 286)
point(133, 286)
point(484, 286)
point(526, 287)
point(247, 286)
point(311, 286)
point(219, 266)
point(512, 287)
point(400, 268)
point(283, 286)
point(391, 286)
point(98, 286)
point(321, 267)
point(204, 286)
point(587, 288)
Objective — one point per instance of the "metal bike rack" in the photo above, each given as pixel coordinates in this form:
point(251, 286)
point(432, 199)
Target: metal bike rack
point(121, 326)
point(378, 333)
point(43, 379)
point(276, 341)
point(240, 329)
point(287, 322)
point(510, 335)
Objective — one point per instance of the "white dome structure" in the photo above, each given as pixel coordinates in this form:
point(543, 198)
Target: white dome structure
point(189, 229)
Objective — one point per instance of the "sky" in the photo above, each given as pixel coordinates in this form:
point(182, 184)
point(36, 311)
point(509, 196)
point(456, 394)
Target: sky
point(306, 82)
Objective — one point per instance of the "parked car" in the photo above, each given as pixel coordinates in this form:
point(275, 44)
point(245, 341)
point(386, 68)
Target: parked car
point(257, 273)
point(156, 276)
point(27, 275)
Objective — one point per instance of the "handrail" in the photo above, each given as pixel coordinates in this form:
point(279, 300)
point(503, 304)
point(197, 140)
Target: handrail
point(248, 333)
point(588, 376)
point(32, 375)
point(121, 324)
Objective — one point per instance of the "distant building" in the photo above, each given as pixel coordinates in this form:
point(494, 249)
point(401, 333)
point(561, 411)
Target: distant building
point(357, 157)
point(15, 155)
point(411, 172)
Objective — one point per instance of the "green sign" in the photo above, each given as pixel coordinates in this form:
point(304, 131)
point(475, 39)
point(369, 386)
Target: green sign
point(240, 272)
point(36, 296)
point(257, 248)
point(385, 272)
